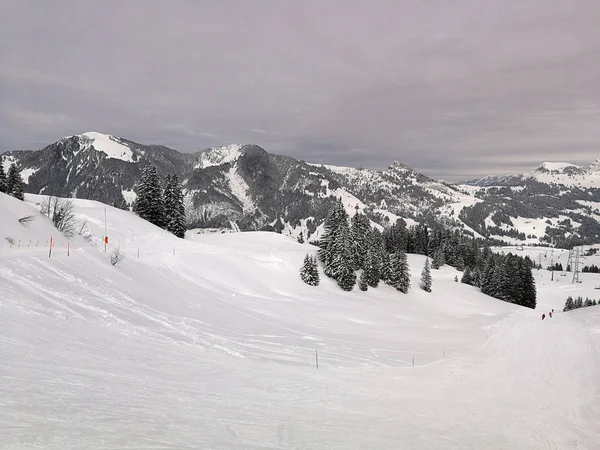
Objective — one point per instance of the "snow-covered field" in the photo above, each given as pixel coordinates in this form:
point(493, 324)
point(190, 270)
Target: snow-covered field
point(209, 343)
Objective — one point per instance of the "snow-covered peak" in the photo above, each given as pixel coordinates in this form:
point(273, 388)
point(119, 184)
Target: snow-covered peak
point(218, 155)
point(594, 167)
point(111, 146)
point(556, 167)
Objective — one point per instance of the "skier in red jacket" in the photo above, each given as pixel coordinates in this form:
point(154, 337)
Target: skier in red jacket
point(543, 316)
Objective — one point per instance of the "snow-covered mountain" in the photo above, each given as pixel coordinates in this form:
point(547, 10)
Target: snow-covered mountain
point(246, 188)
point(560, 173)
point(239, 184)
point(211, 342)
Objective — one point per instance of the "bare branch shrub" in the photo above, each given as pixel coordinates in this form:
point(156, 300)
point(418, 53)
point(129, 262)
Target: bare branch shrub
point(85, 231)
point(61, 212)
point(116, 256)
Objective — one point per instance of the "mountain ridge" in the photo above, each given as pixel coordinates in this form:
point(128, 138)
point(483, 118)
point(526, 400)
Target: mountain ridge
point(242, 186)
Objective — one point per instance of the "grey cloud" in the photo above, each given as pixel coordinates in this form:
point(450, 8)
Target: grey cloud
point(454, 89)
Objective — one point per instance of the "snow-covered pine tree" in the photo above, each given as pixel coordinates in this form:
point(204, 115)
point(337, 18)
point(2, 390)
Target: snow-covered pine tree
point(404, 278)
point(460, 263)
point(14, 183)
point(149, 203)
point(300, 238)
point(308, 273)
point(331, 229)
point(588, 302)
point(359, 231)
point(363, 285)
point(174, 206)
point(438, 258)
point(569, 304)
point(371, 270)
point(578, 303)
point(3, 185)
point(527, 289)
point(342, 265)
point(393, 278)
point(425, 282)
point(467, 278)
point(314, 270)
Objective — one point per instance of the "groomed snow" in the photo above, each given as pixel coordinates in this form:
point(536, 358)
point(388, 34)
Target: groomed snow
point(210, 342)
point(109, 145)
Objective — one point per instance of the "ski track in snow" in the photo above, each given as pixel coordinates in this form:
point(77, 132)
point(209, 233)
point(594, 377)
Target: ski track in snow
point(214, 347)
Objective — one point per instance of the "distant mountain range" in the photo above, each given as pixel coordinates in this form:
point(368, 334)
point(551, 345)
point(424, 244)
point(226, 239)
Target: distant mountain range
point(245, 187)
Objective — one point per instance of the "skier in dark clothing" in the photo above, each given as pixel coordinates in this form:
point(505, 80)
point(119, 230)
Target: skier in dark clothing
point(543, 316)
point(550, 314)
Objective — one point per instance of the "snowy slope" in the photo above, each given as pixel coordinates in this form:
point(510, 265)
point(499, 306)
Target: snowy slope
point(210, 343)
point(109, 145)
point(218, 155)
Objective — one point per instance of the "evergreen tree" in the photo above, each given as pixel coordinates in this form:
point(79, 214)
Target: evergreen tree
point(174, 206)
point(342, 264)
point(336, 248)
point(587, 302)
point(438, 258)
point(425, 282)
point(14, 183)
point(300, 238)
point(578, 303)
point(569, 304)
point(594, 302)
point(149, 204)
point(331, 229)
point(309, 272)
point(363, 285)
point(393, 278)
point(359, 232)
point(404, 273)
point(460, 263)
point(528, 291)
point(371, 269)
point(476, 277)
point(3, 185)
point(467, 277)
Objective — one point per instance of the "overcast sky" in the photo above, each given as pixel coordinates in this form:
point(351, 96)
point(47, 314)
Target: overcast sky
point(453, 88)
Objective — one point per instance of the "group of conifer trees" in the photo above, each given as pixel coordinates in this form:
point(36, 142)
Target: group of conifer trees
point(161, 204)
point(12, 184)
point(578, 303)
point(351, 245)
point(506, 277)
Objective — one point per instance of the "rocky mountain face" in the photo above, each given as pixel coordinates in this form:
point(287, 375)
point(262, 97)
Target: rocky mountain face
point(239, 186)
point(244, 187)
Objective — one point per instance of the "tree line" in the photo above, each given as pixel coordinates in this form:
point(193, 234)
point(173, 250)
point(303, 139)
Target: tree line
point(12, 184)
point(351, 245)
point(578, 303)
point(160, 203)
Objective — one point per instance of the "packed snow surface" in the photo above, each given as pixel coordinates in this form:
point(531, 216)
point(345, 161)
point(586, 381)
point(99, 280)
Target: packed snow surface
point(210, 342)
